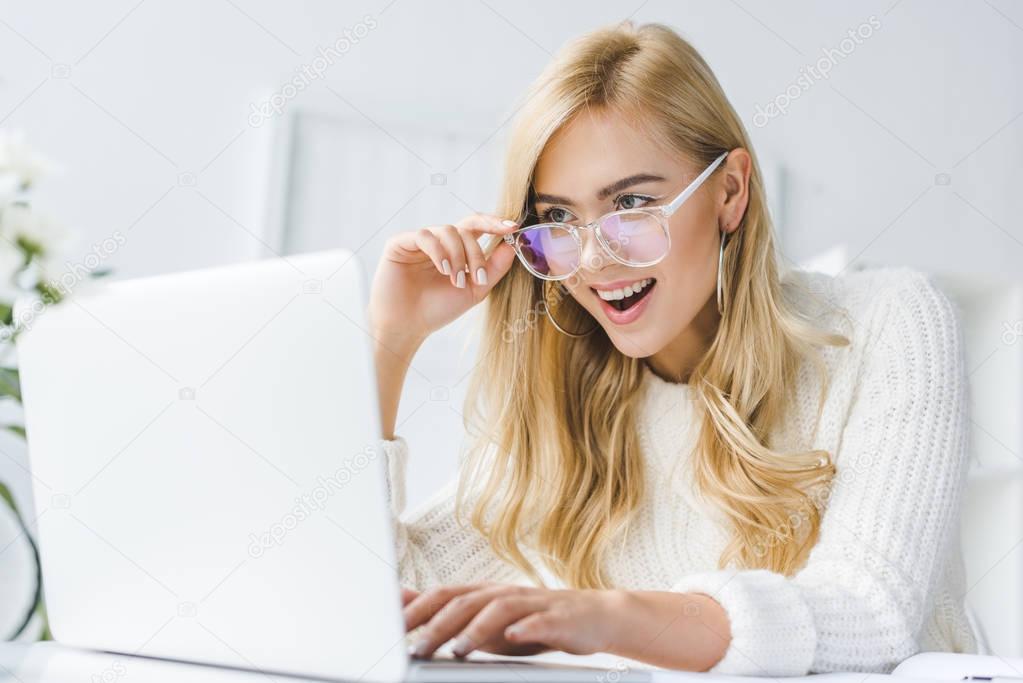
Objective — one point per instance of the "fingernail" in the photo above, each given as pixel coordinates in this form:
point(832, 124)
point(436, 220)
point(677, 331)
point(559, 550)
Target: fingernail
point(445, 266)
point(481, 276)
point(419, 648)
point(460, 279)
point(461, 646)
point(509, 223)
point(513, 631)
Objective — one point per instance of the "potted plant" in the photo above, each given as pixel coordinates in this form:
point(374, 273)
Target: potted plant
point(30, 241)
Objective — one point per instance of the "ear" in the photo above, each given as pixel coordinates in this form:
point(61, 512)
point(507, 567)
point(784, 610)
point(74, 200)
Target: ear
point(734, 185)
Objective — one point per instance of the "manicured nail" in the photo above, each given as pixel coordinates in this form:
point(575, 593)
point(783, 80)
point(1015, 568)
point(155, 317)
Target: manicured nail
point(419, 648)
point(461, 647)
point(460, 279)
point(445, 266)
point(481, 276)
point(509, 223)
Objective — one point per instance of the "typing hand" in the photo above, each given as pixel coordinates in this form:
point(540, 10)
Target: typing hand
point(510, 620)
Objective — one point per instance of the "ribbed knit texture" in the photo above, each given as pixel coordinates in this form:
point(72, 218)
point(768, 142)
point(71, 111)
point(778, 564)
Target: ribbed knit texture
point(885, 579)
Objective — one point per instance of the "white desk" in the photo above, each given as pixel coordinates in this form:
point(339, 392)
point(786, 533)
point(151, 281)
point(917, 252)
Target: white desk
point(53, 663)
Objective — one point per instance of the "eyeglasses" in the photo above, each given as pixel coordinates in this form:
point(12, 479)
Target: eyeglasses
point(632, 237)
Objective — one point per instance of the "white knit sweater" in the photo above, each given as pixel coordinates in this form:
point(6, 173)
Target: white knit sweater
point(885, 579)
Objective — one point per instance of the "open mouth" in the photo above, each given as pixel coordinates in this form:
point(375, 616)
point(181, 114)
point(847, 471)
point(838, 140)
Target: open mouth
point(625, 298)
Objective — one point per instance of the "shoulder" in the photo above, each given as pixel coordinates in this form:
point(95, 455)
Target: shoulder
point(879, 307)
point(905, 346)
point(903, 373)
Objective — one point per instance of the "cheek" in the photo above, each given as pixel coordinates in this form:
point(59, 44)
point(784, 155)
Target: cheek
point(694, 252)
point(583, 296)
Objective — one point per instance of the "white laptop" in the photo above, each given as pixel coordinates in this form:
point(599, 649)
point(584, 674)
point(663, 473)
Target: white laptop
point(203, 448)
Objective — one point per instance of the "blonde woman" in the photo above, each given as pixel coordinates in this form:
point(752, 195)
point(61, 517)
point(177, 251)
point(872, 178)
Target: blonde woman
point(681, 455)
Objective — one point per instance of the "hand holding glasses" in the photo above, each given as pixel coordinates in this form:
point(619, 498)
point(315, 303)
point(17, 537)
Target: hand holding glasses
point(632, 237)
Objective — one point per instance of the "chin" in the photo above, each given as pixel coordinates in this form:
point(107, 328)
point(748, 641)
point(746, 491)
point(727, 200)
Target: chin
point(635, 344)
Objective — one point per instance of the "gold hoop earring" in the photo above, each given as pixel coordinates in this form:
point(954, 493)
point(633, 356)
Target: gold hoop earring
point(721, 262)
point(550, 316)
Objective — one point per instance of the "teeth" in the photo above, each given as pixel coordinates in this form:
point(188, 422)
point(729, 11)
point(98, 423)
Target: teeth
point(628, 290)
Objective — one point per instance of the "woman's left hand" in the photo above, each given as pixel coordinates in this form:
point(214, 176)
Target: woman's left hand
point(512, 620)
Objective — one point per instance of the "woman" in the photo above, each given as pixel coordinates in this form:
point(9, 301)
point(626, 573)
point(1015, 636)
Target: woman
point(723, 466)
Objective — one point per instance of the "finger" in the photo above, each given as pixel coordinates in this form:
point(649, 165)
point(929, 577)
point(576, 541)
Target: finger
point(487, 223)
point(407, 596)
point(424, 607)
point(488, 626)
point(543, 628)
point(454, 250)
point(453, 617)
point(428, 243)
point(474, 257)
point(499, 262)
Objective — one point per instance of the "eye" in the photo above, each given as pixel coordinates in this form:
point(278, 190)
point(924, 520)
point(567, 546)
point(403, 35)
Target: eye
point(556, 214)
point(631, 201)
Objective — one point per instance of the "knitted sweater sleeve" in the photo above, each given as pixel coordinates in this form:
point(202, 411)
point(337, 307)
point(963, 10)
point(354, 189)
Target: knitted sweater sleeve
point(435, 547)
point(859, 603)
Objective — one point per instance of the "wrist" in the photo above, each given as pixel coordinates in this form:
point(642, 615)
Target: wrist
point(688, 631)
point(396, 345)
point(623, 614)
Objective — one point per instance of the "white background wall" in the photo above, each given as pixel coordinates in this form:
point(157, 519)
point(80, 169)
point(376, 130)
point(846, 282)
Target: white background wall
point(909, 153)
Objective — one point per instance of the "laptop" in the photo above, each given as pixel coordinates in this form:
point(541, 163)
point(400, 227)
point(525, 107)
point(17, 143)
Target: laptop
point(207, 479)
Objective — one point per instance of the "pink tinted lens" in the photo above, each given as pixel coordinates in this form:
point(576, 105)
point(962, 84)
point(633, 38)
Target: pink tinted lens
point(549, 250)
point(635, 237)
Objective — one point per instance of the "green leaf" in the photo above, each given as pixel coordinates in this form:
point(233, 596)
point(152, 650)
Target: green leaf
point(6, 314)
point(5, 493)
point(41, 611)
point(50, 294)
point(10, 383)
point(30, 248)
point(17, 429)
point(38, 608)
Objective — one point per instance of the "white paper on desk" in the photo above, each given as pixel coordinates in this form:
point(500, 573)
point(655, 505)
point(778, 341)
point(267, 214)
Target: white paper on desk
point(945, 666)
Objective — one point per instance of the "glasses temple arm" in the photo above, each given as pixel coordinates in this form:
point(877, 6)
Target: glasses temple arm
point(693, 186)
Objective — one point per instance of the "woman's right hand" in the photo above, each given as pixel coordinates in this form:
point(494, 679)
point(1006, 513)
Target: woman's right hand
point(429, 277)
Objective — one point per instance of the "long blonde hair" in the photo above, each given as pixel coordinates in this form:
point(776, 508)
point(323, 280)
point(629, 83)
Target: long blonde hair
point(556, 462)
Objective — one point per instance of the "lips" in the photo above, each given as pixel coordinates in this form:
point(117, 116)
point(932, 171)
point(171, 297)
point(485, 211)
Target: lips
point(624, 301)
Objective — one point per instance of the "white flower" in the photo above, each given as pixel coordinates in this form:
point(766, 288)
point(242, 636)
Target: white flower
point(22, 229)
point(20, 162)
point(10, 188)
point(21, 223)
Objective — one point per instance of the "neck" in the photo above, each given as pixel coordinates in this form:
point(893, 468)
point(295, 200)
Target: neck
point(675, 362)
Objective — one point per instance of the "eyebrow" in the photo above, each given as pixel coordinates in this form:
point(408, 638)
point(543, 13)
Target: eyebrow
point(604, 193)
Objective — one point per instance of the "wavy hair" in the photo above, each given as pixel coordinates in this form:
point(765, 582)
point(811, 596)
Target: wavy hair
point(555, 465)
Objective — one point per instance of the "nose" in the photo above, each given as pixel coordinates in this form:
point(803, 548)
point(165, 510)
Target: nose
point(594, 258)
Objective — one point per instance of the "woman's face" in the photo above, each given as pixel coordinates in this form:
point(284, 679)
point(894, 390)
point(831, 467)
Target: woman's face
point(598, 163)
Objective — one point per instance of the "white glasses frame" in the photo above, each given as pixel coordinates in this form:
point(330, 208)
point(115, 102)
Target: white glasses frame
point(661, 213)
